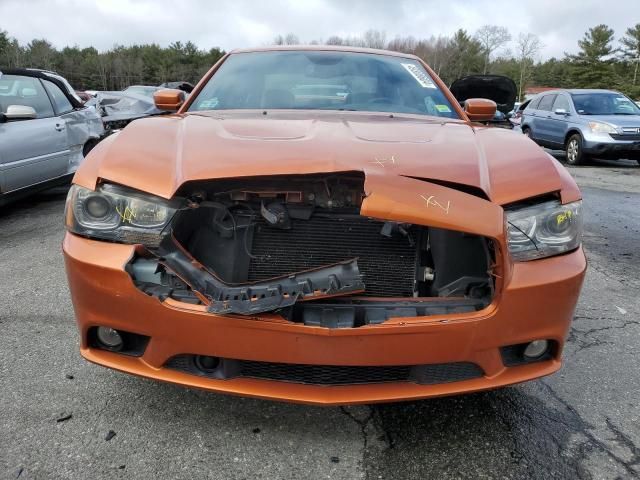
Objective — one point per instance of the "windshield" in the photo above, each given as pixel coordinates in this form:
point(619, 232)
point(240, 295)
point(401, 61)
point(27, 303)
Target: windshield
point(604, 104)
point(323, 80)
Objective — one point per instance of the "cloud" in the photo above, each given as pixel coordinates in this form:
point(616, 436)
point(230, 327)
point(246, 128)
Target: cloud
point(232, 24)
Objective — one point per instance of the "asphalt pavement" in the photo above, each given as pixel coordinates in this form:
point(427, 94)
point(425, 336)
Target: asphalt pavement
point(63, 418)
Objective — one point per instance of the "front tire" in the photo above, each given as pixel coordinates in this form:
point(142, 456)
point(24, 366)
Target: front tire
point(526, 131)
point(574, 150)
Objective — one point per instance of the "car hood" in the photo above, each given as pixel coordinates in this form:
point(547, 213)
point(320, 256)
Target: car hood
point(498, 88)
point(616, 120)
point(158, 154)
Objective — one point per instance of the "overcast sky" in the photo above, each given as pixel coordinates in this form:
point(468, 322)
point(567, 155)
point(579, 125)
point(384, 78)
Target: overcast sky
point(242, 23)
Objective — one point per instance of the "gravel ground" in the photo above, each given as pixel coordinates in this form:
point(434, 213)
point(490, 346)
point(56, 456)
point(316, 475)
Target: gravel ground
point(62, 417)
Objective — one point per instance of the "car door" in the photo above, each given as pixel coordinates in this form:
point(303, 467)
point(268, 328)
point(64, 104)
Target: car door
point(31, 151)
point(76, 124)
point(543, 120)
point(559, 122)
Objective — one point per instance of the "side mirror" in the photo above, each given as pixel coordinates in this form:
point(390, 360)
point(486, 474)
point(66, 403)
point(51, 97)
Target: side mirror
point(480, 109)
point(169, 99)
point(20, 112)
point(561, 111)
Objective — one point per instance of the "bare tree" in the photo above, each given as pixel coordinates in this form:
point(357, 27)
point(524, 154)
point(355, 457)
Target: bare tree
point(491, 37)
point(334, 40)
point(375, 39)
point(527, 48)
point(289, 39)
point(403, 44)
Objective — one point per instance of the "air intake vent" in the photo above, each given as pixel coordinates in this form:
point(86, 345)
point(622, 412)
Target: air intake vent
point(330, 374)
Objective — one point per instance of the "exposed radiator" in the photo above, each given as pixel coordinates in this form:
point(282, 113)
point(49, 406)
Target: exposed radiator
point(388, 264)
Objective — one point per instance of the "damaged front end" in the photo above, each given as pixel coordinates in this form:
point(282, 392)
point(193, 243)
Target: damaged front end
point(318, 250)
point(118, 109)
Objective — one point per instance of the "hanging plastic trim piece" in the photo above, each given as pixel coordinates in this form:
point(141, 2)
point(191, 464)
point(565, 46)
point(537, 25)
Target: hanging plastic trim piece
point(342, 278)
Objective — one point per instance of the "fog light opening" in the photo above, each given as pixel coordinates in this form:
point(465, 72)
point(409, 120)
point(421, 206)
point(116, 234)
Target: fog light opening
point(536, 349)
point(206, 363)
point(109, 338)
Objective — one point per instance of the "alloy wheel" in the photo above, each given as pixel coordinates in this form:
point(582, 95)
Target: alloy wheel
point(572, 150)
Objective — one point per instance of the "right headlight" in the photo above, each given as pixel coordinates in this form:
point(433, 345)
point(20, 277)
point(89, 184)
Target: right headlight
point(543, 230)
point(118, 214)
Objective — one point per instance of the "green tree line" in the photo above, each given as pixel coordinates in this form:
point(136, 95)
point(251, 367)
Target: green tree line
point(602, 60)
point(115, 69)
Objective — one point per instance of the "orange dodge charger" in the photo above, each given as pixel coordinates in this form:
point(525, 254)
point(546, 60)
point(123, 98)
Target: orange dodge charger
point(323, 225)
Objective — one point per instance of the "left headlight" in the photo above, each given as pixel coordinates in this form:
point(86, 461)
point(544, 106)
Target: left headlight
point(601, 127)
point(117, 214)
point(544, 230)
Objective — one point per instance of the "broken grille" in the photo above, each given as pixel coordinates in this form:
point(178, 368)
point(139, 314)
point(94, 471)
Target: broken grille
point(388, 264)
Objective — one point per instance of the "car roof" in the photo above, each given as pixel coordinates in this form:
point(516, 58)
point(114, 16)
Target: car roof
point(324, 48)
point(577, 91)
point(47, 75)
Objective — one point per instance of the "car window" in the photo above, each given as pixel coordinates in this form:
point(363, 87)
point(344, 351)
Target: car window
point(27, 91)
point(546, 102)
point(323, 80)
point(604, 103)
point(60, 102)
point(561, 102)
point(533, 104)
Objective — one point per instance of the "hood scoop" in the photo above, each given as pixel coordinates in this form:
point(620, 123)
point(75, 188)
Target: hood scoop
point(267, 129)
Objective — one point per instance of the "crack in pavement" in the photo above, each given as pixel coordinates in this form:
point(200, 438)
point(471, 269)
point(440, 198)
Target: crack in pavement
point(362, 424)
point(579, 337)
point(586, 430)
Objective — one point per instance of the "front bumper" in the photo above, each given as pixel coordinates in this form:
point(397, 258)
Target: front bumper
point(536, 302)
point(603, 146)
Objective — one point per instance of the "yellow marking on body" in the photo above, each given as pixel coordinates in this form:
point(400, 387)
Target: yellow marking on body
point(384, 161)
point(563, 217)
point(128, 215)
point(431, 202)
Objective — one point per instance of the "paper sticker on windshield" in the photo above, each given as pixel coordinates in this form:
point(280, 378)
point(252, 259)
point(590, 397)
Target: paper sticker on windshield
point(443, 108)
point(210, 103)
point(421, 77)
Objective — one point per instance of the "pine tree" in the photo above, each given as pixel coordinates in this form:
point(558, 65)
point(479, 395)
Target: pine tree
point(593, 65)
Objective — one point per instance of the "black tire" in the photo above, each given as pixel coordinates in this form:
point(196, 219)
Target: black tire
point(573, 149)
point(526, 131)
point(89, 146)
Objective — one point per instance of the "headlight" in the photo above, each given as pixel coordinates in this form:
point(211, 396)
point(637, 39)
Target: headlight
point(117, 214)
point(601, 127)
point(543, 230)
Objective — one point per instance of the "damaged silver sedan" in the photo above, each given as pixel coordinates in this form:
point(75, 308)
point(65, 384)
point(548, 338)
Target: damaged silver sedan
point(45, 132)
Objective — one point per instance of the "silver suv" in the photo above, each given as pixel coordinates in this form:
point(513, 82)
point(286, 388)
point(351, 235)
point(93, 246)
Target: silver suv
point(599, 123)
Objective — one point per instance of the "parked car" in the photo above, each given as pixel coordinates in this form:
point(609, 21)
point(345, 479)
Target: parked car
point(516, 115)
point(584, 123)
point(186, 87)
point(515, 108)
point(498, 88)
point(45, 131)
point(382, 248)
point(118, 109)
point(145, 90)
